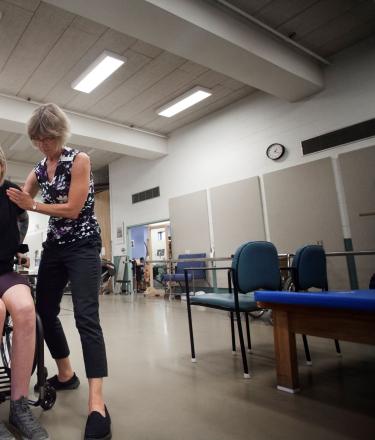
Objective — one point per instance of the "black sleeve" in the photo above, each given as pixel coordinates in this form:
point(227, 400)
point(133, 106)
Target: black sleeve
point(19, 211)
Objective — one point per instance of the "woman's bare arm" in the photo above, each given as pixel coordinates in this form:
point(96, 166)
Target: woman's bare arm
point(79, 188)
point(31, 185)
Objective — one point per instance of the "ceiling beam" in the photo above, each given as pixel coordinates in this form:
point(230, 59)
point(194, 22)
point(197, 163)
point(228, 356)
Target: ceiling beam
point(87, 131)
point(200, 32)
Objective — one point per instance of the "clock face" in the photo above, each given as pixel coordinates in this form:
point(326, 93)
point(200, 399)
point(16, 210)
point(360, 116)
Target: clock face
point(275, 151)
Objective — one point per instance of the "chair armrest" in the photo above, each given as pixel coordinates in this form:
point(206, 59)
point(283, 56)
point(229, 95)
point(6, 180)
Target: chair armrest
point(207, 268)
point(186, 270)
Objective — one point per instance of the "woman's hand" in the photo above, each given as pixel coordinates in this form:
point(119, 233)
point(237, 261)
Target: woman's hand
point(21, 198)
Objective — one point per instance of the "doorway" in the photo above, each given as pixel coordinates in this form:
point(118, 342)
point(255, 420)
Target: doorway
point(149, 246)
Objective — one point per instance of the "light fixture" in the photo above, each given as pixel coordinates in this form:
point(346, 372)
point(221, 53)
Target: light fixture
point(184, 101)
point(107, 63)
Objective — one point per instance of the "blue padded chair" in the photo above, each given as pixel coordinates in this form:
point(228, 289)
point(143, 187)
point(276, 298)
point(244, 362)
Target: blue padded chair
point(309, 269)
point(255, 266)
point(179, 276)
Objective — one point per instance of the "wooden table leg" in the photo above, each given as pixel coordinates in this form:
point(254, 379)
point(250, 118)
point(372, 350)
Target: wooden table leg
point(286, 354)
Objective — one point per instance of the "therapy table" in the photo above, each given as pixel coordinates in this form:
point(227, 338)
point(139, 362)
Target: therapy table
point(345, 315)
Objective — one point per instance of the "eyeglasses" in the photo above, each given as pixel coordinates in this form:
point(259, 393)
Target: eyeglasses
point(41, 141)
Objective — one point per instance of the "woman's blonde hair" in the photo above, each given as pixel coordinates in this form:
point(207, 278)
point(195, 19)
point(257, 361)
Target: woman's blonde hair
point(48, 120)
point(3, 166)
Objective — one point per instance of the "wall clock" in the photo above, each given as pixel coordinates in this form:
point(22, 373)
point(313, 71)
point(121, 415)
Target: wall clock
point(275, 151)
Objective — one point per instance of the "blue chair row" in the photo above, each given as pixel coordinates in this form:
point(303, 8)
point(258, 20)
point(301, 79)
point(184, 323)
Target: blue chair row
point(255, 266)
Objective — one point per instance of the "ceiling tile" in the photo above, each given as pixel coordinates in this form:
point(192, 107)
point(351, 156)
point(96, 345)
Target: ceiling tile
point(194, 68)
point(363, 30)
point(211, 79)
point(149, 75)
point(111, 40)
point(249, 6)
point(30, 5)
point(146, 49)
point(13, 24)
point(89, 26)
point(316, 16)
point(42, 33)
point(155, 96)
point(85, 101)
point(67, 52)
point(277, 12)
point(340, 25)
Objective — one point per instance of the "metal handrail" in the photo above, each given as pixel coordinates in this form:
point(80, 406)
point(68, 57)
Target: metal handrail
point(352, 273)
point(287, 255)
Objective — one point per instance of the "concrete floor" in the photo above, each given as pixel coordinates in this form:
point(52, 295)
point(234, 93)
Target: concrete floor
point(154, 392)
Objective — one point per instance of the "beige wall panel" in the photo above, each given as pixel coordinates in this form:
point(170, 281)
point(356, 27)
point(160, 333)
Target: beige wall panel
point(302, 208)
point(358, 175)
point(189, 224)
point(237, 217)
point(102, 212)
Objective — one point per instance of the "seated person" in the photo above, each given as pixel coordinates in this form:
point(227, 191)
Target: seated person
point(140, 275)
point(15, 297)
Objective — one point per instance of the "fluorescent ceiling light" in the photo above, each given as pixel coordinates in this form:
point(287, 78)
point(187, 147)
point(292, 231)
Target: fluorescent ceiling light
point(184, 101)
point(98, 71)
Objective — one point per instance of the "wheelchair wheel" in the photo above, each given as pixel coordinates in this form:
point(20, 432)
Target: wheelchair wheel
point(6, 346)
point(49, 398)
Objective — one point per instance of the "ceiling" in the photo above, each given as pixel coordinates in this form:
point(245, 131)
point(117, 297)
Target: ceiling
point(323, 26)
point(44, 48)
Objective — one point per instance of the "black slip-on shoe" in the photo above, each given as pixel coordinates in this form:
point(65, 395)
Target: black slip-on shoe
point(98, 427)
point(70, 384)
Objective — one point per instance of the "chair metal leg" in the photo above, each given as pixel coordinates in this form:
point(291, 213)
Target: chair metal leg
point(242, 344)
point(338, 349)
point(307, 350)
point(193, 359)
point(232, 333)
point(248, 332)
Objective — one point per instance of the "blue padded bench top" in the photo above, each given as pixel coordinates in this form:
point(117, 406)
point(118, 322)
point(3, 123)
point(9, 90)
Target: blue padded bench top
point(351, 299)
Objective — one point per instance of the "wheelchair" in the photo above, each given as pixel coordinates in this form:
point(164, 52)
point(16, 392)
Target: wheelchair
point(46, 393)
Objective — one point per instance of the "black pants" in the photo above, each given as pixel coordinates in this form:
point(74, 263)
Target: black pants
point(78, 263)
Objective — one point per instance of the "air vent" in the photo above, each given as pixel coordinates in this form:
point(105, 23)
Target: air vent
point(343, 136)
point(146, 195)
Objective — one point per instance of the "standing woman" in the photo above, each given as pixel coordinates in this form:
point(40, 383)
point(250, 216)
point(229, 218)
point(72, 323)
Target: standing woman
point(71, 253)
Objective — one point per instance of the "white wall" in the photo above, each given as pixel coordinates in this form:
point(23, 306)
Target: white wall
point(230, 145)
point(36, 234)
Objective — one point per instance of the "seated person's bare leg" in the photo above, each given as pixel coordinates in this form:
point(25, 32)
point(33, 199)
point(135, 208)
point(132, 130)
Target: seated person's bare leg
point(4, 433)
point(2, 315)
point(20, 305)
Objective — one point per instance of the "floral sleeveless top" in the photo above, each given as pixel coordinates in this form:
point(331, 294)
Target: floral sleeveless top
point(64, 230)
